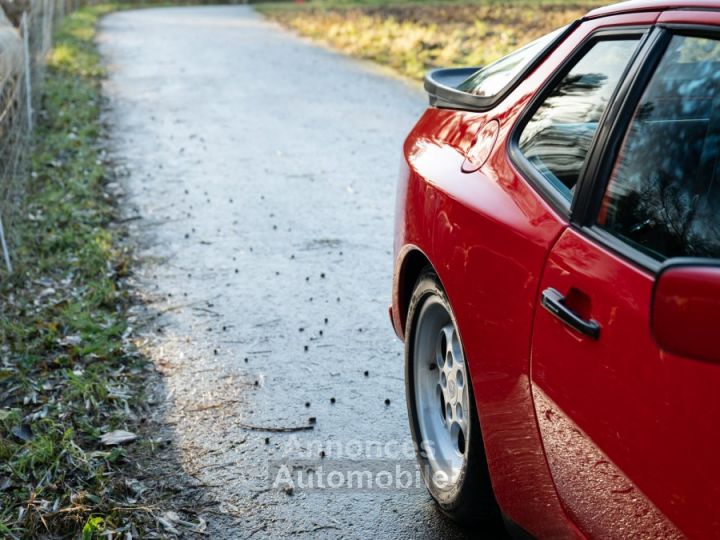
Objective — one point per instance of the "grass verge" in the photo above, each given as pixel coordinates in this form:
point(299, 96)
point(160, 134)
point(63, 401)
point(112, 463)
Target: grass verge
point(412, 37)
point(68, 372)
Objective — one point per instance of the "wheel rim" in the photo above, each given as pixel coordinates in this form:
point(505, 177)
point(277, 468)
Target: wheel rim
point(441, 396)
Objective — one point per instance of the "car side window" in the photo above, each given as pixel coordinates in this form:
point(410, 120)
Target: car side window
point(663, 195)
point(557, 138)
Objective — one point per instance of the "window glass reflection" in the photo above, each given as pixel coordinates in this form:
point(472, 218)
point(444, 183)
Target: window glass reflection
point(557, 138)
point(663, 194)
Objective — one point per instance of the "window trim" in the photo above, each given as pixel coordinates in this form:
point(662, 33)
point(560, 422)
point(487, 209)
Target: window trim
point(604, 155)
point(541, 184)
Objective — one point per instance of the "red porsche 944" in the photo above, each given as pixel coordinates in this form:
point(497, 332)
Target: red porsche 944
point(557, 281)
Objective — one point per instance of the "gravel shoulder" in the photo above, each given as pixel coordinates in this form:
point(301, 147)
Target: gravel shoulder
point(259, 178)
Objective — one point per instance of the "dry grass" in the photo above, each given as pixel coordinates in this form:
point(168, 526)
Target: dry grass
point(412, 38)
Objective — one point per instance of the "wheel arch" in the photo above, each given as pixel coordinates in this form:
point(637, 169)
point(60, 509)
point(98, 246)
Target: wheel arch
point(411, 263)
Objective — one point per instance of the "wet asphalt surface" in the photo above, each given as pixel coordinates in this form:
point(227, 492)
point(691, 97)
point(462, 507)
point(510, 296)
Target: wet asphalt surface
point(260, 186)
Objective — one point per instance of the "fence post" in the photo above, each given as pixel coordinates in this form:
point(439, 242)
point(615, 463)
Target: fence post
point(48, 16)
point(28, 81)
point(6, 252)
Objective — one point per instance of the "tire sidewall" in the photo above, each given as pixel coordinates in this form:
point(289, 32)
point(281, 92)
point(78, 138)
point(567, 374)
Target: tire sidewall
point(428, 286)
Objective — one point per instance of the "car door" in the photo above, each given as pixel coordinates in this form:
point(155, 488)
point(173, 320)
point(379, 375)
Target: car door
point(630, 430)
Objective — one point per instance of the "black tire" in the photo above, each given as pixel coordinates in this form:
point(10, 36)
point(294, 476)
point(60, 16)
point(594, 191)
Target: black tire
point(471, 500)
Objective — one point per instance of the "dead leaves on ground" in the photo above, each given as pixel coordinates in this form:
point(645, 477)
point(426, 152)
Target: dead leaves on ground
point(412, 38)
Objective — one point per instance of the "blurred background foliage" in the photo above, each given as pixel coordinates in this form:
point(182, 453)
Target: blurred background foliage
point(412, 37)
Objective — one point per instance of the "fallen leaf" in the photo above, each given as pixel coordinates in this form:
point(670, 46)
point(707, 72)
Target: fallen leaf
point(24, 433)
point(167, 522)
point(171, 520)
point(46, 292)
point(117, 437)
point(135, 486)
point(71, 340)
point(5, 483)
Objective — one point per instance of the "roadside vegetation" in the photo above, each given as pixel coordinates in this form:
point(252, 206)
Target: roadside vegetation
point(412, 37)
point(68, 371)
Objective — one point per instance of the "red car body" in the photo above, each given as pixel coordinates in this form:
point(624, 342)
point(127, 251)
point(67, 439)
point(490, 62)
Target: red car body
point(610, 438)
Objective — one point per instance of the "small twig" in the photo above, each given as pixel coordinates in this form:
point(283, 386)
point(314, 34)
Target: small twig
point(206, 310)
point(175, 308)
point(216, 466)
point(276, 429)
point(315, 529)
point(129, 219)
point(213, 406)
point(257, 530)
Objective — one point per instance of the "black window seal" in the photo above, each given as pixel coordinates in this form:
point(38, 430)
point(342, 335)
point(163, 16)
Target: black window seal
point(541, 184)
point(692, 8)
point(692, 30)
point(611, 132)
point(620, 247)
point(444, 96)
point(584, 213)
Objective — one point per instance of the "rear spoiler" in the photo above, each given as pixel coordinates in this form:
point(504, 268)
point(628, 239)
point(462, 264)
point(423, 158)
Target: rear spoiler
point(441, 86)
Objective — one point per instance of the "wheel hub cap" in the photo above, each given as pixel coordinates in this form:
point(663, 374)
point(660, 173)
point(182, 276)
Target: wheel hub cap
point(441, 394)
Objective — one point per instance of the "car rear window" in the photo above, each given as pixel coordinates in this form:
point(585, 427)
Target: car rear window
point(491, 80)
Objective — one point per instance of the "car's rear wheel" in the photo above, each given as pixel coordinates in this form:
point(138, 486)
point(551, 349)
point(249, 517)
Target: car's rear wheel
point(441, 406)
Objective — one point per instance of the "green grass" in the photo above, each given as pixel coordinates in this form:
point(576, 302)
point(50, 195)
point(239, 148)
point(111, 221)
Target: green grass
point(66, 373)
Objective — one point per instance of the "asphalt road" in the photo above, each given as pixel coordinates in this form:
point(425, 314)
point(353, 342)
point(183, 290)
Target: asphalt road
point(260, 187)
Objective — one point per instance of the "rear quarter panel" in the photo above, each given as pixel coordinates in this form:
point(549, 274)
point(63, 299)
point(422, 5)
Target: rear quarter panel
point(487, 236)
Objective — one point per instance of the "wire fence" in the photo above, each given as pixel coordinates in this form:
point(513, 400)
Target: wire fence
point(26, 30)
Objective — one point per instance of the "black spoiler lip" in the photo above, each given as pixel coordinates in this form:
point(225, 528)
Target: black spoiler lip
point(440, 84)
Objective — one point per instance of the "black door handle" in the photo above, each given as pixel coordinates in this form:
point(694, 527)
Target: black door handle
point(554, 302)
